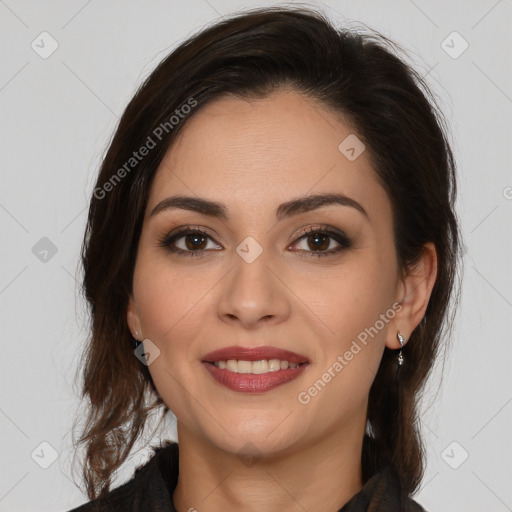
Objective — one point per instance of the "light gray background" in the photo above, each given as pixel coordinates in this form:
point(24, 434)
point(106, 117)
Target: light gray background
point(57, 115)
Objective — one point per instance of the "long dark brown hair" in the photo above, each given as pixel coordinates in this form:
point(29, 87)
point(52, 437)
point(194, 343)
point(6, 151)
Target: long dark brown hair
point(360, 75)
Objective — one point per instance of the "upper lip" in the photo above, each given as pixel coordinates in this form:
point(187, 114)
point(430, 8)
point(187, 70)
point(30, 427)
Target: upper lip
point(254, 354)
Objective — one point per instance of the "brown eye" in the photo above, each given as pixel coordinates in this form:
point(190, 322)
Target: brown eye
point(189, 242)
point(195, 241)
point(319, 241)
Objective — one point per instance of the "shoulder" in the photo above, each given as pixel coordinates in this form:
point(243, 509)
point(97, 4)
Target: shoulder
point(150, 488)
point(382, 493)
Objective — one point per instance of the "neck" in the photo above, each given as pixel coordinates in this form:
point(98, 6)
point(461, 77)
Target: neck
point(321, 476)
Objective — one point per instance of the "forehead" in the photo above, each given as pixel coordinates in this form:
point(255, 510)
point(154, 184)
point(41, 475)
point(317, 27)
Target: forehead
point(264, 151)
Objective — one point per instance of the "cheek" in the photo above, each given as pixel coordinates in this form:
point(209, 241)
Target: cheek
point(171, 300)
point(346, 299)
point(169, 297)
point(355, 303)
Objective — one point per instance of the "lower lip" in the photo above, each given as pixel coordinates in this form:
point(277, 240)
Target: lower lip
point(251, 382)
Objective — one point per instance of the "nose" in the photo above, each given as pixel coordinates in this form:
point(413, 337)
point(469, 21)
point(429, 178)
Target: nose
point(254, 294)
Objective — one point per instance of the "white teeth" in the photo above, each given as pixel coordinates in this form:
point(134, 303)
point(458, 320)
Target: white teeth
point(256, 367)
point(245, 367)
point(273, 365)
point(232, 365)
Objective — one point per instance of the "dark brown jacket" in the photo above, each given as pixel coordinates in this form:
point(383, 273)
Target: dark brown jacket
point(152, 486)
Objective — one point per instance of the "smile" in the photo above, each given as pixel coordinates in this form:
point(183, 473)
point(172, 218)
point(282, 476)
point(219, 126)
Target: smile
point(256, 367)
point(254, 370)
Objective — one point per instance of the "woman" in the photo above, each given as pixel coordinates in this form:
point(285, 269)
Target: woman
point(273, 228)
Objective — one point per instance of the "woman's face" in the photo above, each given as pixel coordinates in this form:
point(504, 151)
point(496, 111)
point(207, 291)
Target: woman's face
point(265, 275)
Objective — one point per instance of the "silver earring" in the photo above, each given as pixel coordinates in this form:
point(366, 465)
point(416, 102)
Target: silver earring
point(400, 355)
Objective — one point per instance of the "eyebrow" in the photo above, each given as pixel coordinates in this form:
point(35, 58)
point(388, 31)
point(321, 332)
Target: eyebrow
point(288, 209)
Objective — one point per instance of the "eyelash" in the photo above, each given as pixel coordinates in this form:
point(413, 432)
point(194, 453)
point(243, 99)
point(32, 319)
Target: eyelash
point(343, 240)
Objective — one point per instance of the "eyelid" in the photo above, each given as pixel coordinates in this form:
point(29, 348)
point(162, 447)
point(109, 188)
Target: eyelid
point(182, 231)
point(315, 228)
point(339, 236)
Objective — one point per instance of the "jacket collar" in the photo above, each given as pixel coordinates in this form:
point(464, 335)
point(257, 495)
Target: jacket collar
point(380, 493)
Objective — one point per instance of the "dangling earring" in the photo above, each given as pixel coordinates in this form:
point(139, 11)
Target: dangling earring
point(400, 355)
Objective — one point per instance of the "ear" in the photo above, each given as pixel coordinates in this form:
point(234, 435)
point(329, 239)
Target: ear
point(413, 293)
point(133, 319)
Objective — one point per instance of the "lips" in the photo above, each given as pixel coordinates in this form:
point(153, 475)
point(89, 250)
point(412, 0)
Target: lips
point(254, 382)
point(254, 354)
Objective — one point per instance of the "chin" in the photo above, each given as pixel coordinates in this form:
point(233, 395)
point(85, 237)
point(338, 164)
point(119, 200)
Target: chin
point(256, 434)
point(254, 446)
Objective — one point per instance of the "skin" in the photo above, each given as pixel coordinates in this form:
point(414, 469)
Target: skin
point(252, 156)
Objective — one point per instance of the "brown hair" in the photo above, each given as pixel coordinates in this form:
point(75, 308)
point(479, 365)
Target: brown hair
point(250, 55)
